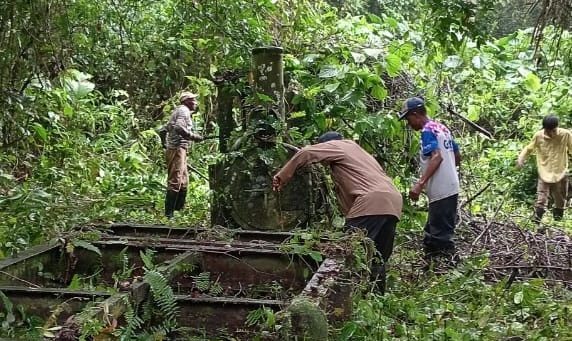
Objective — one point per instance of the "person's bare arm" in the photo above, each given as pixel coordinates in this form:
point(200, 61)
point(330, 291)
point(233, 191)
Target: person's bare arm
point(524, 153)
point(189, 135)
point(458, 158)
point(432, 167)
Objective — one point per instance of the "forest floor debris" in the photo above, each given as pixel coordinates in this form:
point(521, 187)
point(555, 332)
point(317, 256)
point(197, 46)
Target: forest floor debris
point(512, 252)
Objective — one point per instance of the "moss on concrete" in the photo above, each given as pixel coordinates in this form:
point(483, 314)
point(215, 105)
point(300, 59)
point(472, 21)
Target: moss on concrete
point(302, 320)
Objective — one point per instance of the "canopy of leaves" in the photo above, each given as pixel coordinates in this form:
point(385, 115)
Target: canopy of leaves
point(84, 84)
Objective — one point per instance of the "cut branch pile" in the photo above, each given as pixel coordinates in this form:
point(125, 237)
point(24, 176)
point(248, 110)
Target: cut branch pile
point(513, 253)
point(517, 253)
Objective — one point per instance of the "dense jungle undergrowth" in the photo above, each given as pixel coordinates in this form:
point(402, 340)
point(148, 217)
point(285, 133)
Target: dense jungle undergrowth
point(85, 84)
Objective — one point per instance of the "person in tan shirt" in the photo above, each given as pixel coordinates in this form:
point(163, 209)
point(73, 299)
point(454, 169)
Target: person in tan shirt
point(367, 196)
point(553, 147)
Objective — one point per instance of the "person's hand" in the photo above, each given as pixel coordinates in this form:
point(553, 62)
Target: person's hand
point(519, 162)
point(416, 191)
point(277, 184)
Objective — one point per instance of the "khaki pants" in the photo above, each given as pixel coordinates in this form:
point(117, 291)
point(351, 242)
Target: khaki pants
point(558, 191)
point(178, 176)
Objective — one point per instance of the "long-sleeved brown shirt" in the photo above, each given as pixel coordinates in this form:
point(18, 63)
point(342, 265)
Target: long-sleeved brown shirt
point(362, 186)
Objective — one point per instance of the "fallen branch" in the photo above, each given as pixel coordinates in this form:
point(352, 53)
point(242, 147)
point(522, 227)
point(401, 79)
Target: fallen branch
point(471, 123)
point(531, 266)
point(488, 226)
point(476, 195)
point(33, 285)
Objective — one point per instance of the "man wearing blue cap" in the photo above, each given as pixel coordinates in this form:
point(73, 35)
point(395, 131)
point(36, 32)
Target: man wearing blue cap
point(366, 194)
point(439, 157)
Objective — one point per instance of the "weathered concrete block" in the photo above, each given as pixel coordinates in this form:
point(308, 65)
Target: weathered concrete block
point(302, 320)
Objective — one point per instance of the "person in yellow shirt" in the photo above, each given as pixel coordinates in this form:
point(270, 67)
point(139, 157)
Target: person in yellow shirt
point(552, 146)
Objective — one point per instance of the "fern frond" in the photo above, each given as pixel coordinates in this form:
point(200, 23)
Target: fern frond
point(203, 281)
point(147, 258)
point(163, 297)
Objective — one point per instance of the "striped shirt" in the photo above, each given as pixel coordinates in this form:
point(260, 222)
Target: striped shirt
point(181, 117)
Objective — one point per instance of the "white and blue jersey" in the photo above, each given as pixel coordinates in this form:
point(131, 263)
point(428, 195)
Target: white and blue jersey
point(445, 181)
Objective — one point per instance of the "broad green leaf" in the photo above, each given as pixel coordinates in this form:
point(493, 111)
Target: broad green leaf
point(518, 297)
point(331, 87)
point(310, 58)
point(373, 53)
point(329, 71)
point(320, 121)
point(264, 98)
point(374, 19)
point(532, 82)
point(86, 245)
point(505, 40)
point(474, 112)
point(40, 132)
point(298, 114)
point(477, 62)
point(75, 282)
point(404, 51)
point(213, 69)
point(358, 57)
point(452, 62)
point(77, 83)
point(68, 111)
point(347, 96)
point(317, 256)
point(391, 22)
point(393, 63)
point(379, 92)
point(80, 89)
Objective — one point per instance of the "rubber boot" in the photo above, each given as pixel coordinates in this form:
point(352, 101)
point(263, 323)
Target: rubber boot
point(538, 213)
point(378, 274)
point(430, 252)
point(557, 213)
point(170, 200)
point(181, 198)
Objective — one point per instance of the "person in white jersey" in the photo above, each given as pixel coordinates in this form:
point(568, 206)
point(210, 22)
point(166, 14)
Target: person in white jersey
point(439, 158)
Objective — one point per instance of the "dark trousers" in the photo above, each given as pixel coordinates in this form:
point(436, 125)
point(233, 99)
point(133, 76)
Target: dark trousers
point(380, 229)
point(440, 226)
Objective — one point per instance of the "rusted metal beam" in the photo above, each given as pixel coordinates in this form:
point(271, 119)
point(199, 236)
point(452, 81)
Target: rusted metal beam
point(205, 243)
point(28, 253)
point(127, 229)
point(227, 249)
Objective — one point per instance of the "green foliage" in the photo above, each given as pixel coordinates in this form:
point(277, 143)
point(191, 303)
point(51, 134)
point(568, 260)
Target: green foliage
point(133, 321)
point(462, 20)
point(263, 316)
point(84, 84)
point(304, 244)
point(7, 313)
point(126, 269)
point(461, 306)
point(86, 245)
point(164, 299)
point(147, 258)
point(204, 284)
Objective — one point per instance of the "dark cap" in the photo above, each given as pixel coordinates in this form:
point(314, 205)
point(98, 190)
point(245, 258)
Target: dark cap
point(409, 105)
point(329, 136)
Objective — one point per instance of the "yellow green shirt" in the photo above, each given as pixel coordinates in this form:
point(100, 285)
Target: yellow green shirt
point(551, 154)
